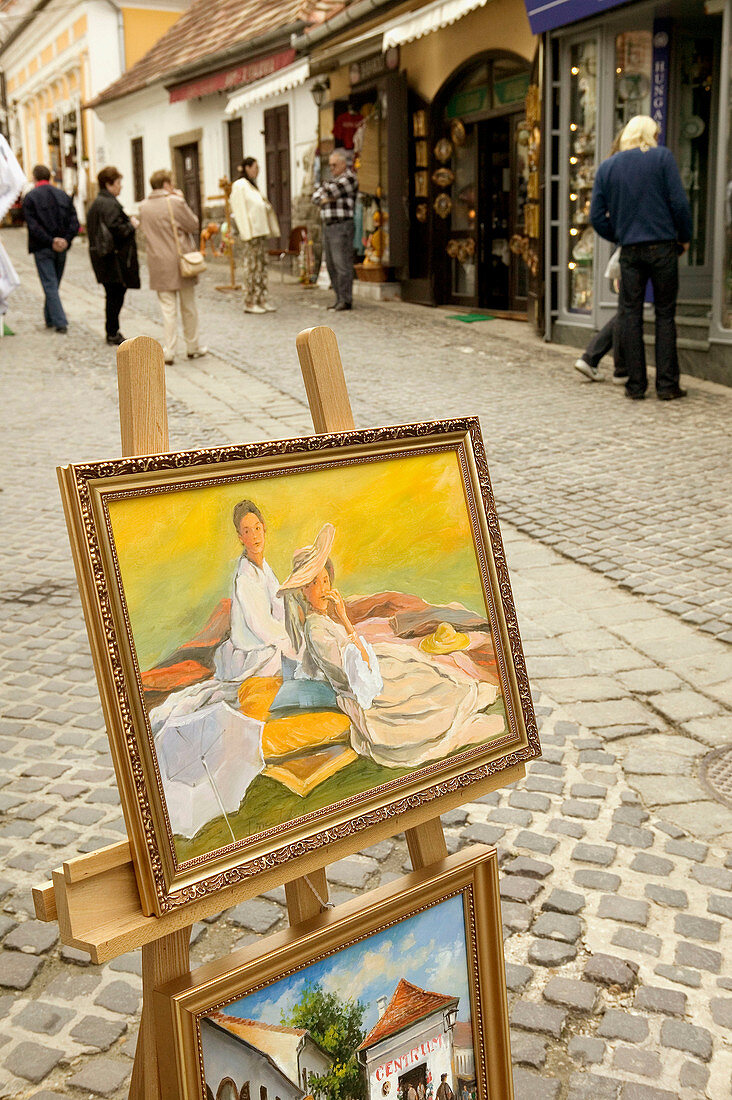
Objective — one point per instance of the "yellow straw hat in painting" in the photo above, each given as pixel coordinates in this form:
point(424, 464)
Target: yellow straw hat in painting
point(309, 560)
point(446, 639)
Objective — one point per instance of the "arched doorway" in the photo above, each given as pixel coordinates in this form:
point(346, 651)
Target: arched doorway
point(479, 184)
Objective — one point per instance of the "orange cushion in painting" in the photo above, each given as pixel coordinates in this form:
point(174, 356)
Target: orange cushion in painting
point(301, 732)
point(257, 695)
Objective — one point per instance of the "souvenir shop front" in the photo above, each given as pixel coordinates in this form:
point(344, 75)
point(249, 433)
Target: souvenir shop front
point(367, 116)
point(673, 64)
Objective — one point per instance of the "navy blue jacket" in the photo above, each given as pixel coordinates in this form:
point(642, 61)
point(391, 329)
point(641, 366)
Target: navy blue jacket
point(49, 213)
point(639, 197)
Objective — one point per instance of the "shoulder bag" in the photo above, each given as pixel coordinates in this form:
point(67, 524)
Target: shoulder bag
point(190, 264)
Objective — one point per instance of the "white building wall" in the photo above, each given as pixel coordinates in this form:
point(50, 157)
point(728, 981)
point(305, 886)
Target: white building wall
point(225, 1056)
point(150, 115)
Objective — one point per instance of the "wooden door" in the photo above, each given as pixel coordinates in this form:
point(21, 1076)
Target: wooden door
point(235, 135)
point(189, 176)
point(277, 159)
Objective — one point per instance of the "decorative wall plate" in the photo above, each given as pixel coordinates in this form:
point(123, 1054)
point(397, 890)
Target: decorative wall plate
point(442, 205)
point(443, 177)
point(443, 150)
point(457, 132)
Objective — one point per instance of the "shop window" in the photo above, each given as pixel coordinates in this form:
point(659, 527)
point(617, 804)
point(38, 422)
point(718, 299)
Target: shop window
point(727, 269)
point(695, 115)
point(581, 175)
point(138, 169)
point(633, 60)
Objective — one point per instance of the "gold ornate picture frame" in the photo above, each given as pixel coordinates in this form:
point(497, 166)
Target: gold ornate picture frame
point(230, 765)
point(412, 975)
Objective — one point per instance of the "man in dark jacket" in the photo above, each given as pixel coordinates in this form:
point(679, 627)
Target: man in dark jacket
point(112, 248)
point(52, 225)
point(639, 202)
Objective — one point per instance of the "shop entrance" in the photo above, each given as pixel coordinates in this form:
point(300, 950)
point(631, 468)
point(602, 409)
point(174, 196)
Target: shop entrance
point(479, 187)
point(417, 1079)
point(488, 196)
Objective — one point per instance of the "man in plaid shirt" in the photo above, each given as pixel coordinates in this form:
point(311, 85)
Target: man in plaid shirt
point(336, 198)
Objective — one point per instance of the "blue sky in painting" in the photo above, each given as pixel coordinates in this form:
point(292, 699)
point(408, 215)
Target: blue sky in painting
point(427, 949)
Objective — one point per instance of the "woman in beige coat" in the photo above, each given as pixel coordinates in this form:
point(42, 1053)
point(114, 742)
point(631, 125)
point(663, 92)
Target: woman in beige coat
point(256, 221)
point(158, 212)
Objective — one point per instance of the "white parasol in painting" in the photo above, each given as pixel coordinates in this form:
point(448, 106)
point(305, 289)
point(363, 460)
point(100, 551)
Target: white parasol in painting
point(207, 760)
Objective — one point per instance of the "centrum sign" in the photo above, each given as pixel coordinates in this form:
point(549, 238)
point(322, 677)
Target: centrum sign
point(546, 15)
point(226, 79)
point(416, 1054)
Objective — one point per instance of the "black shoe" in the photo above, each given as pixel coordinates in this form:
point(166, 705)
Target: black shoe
point(341, 306)
point(116, 340)
point(63, 329)
point(671, 395)
point(635, 396)
point(333, 305)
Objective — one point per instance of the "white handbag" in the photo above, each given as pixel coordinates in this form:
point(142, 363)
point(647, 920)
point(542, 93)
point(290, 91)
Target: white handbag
point(190, 264)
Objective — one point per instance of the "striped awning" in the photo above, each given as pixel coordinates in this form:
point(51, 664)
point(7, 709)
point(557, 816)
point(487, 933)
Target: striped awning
point(270, 86)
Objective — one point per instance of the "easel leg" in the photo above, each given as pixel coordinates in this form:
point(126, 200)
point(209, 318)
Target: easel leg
point(426, 843)
point(162, 961)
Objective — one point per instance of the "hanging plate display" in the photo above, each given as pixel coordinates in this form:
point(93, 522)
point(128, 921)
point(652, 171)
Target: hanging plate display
point(443, 150)
point(442, 205)
point(457, 132)
point(443, 177)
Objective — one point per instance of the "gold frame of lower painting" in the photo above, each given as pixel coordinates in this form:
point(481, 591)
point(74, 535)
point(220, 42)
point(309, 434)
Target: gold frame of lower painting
point(220, 778)
point(414, 968)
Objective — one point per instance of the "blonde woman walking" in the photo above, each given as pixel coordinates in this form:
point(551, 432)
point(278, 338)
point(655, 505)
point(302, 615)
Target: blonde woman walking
point(256, 221)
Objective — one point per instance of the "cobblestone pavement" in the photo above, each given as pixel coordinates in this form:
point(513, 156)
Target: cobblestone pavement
point(616, 872)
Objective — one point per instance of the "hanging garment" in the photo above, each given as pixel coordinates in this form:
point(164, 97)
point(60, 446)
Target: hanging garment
point(9, 280)
point(12, 177)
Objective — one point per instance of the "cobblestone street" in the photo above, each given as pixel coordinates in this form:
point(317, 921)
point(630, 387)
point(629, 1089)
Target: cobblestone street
point(616, 869)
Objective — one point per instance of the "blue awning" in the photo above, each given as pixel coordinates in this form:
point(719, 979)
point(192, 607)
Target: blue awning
point(546, 15)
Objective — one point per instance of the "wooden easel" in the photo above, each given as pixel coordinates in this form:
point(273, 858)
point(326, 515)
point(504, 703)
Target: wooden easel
point(94, 897)
point(228, 241)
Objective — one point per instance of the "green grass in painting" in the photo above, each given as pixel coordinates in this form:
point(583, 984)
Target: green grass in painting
point(268, 803)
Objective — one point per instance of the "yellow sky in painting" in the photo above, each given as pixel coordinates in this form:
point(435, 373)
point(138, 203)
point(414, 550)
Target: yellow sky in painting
point(401, 524)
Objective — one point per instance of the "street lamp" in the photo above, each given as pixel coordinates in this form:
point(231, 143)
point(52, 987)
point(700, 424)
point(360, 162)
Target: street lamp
point(319, 91)
point(449, 1018)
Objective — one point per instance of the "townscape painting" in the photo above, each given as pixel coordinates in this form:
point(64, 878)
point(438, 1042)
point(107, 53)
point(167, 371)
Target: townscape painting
point(399, 994)
point(296, 633)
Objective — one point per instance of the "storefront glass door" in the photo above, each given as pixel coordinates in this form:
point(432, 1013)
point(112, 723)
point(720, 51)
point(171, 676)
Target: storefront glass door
point(692, 143)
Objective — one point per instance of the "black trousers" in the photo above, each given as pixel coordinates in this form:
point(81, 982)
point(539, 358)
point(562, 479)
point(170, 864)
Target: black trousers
point(115, 294)
point(659, 262)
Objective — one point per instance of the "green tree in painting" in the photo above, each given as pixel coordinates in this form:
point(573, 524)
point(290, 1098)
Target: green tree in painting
point(337, 1025)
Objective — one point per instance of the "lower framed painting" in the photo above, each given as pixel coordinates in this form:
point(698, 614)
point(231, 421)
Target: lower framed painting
point(399, 994)
point(294, 641)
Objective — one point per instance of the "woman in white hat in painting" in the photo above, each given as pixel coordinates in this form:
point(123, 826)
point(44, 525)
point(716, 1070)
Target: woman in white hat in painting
point(405, 707)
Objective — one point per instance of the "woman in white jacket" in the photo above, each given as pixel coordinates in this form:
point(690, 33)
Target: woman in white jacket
point(256, 221)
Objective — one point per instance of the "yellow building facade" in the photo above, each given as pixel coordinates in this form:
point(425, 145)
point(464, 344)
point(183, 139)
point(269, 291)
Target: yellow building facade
point(55, 63)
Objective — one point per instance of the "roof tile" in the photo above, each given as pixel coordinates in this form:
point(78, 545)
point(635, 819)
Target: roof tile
point(210, 26)
point(408, 1004)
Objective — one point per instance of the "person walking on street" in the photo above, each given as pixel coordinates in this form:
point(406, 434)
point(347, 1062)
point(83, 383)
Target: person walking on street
point(336, 198)
point(638, 202)
point(444, 1092)
point(52, 225)
point(608, 338)
point(171, 227)
point(255, 221)
point(112, 248)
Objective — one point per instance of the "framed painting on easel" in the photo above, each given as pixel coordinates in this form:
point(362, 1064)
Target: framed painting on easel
point(399, 994)
point(294, 640)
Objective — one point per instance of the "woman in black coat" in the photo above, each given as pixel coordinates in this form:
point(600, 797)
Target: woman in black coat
point(112, 248)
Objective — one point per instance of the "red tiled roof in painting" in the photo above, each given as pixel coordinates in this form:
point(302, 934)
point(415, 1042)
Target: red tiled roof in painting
point(408, 1004)
point(462, 1034)
point(237, 1025)
point(214, 29)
